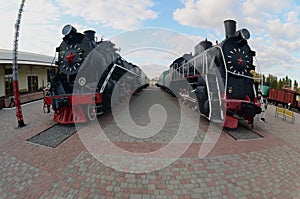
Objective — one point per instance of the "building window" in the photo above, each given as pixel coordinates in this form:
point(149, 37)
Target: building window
point(8, 72)
point(8, 82)
point(8, 86)
point(32, 83)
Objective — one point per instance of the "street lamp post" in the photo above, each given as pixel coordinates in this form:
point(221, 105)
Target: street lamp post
point(15, 69)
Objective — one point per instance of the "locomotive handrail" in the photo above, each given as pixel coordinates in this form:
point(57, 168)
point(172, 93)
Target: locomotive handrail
point(126, 70)
point(225, 67)
point(110, 73)
point(246, 76)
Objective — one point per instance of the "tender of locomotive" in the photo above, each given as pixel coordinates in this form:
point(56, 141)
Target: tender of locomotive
point(89, 73)
point(218, 80)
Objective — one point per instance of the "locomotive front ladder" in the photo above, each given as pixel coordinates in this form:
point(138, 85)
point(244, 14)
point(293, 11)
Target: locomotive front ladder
point(212, 79)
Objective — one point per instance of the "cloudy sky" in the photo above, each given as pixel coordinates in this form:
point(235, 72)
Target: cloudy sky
point(152, 33)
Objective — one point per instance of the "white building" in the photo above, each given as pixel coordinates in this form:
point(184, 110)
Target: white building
point(33, 74)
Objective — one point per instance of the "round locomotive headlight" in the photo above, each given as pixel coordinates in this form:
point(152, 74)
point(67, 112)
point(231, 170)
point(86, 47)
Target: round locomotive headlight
point(82, 81)
point(68, 29)
point(230, 90)
point(245, 33)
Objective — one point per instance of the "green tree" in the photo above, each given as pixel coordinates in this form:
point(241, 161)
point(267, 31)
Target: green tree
point(264, 78)
point(268, 80)
point(295, 84)
point(273, 81)
point(280, 84)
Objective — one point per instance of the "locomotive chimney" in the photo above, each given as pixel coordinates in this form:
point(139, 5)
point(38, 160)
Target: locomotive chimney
point(90, 34)
point(230, 28)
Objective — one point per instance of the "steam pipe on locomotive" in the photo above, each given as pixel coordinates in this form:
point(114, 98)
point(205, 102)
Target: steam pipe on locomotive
point(220, 78)
point(88, 72)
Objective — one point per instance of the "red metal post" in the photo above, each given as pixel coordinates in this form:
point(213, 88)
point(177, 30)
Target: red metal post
point(15, 69)
point(18, 104)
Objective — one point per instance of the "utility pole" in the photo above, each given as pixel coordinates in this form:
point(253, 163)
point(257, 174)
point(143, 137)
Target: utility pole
point(15, 69)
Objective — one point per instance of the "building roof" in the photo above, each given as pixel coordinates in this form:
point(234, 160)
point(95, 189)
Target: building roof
point(25, 58)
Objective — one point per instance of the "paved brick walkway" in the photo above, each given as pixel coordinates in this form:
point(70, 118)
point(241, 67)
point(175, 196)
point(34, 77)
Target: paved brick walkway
point(265, 168)
point(251, 175)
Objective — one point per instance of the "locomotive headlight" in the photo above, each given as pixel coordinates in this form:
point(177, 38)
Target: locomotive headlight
point(244, 33)
point(230, 90)
point(82, 81)
point(68, 29)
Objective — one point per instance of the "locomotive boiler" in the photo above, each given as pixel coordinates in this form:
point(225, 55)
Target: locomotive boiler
point(218, 80)
point(89, 72)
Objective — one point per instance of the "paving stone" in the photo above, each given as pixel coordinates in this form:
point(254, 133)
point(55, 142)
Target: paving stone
point(258, 169)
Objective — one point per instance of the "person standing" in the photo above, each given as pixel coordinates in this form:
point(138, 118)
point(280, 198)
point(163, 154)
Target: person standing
point(264, 106)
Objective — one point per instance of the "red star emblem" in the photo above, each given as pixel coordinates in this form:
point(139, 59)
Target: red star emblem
point(70, 57)
point(240, 61)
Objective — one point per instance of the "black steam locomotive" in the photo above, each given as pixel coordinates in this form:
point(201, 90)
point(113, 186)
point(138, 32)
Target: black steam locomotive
point(218, 80)
point(91, 76)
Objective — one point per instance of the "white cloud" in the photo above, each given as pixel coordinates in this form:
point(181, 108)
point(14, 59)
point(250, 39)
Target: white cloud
point(124, 15)
point(250, 13)
point(7, 23)
point(205, 13)
point(275, 59)
point(39, 25)
point(42, 20)
point(285, 33)
point(153, 48)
